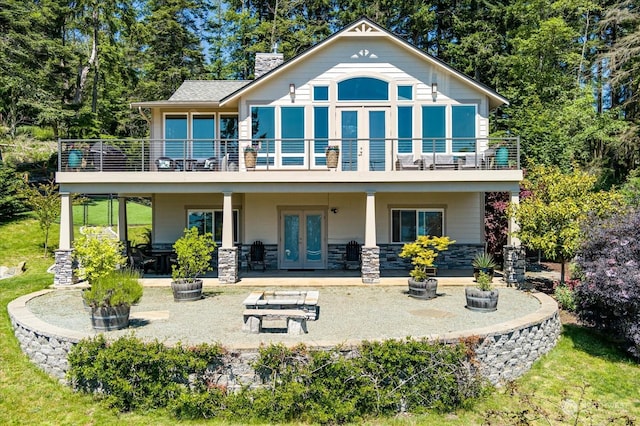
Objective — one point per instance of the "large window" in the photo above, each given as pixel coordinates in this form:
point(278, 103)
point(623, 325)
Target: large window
point(405, 129)
point(263, 133)
point(408, 224)
point(204, 133)
point(363, 89)
point(211, 221)
point(433, 129)
point(320, 134)
point(175, 131)
point(292, 130)
point(463, 125)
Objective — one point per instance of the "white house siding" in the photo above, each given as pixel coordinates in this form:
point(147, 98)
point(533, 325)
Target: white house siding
point(259, 214)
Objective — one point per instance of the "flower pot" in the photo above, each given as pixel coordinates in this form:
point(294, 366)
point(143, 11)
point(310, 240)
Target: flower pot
point(332, 158)
point(250, 158)
point(110, 317)
point(423, 289)
point(184, 291)
point(481, 300)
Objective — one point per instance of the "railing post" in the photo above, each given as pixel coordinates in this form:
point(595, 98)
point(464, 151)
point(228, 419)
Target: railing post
point(59, 154)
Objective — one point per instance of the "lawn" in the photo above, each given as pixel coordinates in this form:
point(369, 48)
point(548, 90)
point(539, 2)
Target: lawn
point(585, 376)
point(104, 212)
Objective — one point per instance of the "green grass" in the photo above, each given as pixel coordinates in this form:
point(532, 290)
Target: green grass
point(101, 212)
point(548, 394)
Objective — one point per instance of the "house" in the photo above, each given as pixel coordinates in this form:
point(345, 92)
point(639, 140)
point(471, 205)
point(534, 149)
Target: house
point(363, 137)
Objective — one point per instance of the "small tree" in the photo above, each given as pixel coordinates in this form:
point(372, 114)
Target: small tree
point(423, 253)
point(194, 255)
point(550, 218)
point(609, 263)
point(10, 202)
point(44, 200)
point(97, 255)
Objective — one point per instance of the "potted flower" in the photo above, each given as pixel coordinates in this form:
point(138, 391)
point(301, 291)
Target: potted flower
point(423, 253)
point(332, 152)
point(193, 253)
point(483, 297)
point(483, 262)
point(110, 298)
point(250, 156)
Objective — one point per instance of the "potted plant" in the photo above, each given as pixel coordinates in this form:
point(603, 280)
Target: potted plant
point(483, 262)
point(423, 253)
point(110, 298)
point(332, 153)
point(250, 157)
point(483, 297)
point(193, 253)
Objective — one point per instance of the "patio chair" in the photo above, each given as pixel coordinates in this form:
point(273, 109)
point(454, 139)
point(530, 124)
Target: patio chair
point(406, 162)
point(165, 164)
point(351, 255)
point(140, 261)
point(256, 256)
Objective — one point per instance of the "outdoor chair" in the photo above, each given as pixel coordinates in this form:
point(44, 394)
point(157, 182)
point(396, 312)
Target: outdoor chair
point(165, 164)
point(406, 162)
point(140, 261)
point(351, 255)
point(256, 256)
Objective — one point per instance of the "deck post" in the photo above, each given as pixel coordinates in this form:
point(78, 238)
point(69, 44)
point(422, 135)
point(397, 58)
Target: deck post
point(227, 253)
point(63, 267)
point(123, 234)
point(370, 256)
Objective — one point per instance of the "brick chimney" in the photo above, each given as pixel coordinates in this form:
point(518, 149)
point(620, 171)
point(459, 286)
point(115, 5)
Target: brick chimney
point(265, 62)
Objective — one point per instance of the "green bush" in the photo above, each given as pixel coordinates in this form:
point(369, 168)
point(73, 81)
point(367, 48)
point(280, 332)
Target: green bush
point(565, 297)
point(97, 255)
point(116, 288)
point(194, 255)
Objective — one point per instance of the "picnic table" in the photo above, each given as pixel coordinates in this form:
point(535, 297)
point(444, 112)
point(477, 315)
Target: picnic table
point(296, 307)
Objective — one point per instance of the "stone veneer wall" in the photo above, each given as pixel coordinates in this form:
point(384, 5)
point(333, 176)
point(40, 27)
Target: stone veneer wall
point(228, 265)
point(502, 355)
point(63, 268)
point(515, 264)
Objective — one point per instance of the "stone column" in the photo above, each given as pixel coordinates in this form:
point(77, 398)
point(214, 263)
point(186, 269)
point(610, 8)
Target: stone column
point(227, 253)
point(63, 268)
point(514, 265)
point(370, 251)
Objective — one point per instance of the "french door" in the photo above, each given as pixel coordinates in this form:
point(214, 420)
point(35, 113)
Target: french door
point(303, 239)
point(363, 134)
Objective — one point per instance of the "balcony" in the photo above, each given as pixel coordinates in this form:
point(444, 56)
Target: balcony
point(238, 156)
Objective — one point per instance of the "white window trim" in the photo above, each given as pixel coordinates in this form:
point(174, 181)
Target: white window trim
point(440, 210)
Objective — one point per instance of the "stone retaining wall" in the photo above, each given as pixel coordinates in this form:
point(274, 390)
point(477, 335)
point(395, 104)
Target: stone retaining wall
point(504, 353)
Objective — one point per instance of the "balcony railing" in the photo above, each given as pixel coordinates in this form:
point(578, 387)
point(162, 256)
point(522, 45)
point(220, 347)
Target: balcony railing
point(170, 155)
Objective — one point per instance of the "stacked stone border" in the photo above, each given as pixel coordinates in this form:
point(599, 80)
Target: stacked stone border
point(504, 351)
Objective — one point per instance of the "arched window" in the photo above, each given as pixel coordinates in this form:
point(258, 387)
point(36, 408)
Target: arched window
point(363, 89)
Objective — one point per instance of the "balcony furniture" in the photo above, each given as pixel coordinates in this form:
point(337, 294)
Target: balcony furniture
point(210, 163)
point(406, 162)
point(140, 261)
point(165, 164)
point(442, 161)
point(470, 161)
point(164, 260)
point(188, 164)
point(352, 255)
point(107, 157)
point(256, 256)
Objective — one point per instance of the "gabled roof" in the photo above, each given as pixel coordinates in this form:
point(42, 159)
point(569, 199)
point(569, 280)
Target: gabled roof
point(366, 27)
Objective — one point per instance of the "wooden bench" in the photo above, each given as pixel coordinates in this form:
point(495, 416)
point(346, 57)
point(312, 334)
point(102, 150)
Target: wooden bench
point(296, 319)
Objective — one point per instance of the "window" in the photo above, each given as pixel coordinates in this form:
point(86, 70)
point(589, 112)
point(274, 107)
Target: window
point(204, 133)
point(463, 125)
point(405, 129)
point(229, 137)
point(405, 93)
point(292, 129)
point(263, 133)
point(321, 93)
point(211, 221)
point(175, 127)
point(320, 134)
point(363, 89)
point(433, 129)
point(408, 224)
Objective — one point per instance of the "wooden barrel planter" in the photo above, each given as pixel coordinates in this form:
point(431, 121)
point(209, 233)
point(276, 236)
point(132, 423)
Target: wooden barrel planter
point(423, 289)
point(332, 158)
point(187, 291)
point(110, 318)
point(479, 300)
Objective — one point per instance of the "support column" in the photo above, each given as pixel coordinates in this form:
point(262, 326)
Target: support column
point(123, 233)
point(63, 268)
point(227, 252)
point(515, 261)
point(370, 257)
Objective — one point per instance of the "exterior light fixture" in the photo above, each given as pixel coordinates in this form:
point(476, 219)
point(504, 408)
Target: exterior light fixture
point(292, 91)
point(434, 91)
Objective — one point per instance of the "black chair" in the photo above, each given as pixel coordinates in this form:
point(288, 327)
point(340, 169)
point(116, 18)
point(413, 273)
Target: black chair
point(351, 255)
point(140, 261)
point(256, 257)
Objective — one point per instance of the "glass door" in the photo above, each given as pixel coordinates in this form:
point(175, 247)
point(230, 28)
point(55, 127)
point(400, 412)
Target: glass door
point(303, 244)
point(363, 134)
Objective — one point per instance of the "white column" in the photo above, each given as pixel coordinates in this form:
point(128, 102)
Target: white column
point(370, 221)
point(122, 220)
point(66, 221)
point(513, 226)
point(227, 221)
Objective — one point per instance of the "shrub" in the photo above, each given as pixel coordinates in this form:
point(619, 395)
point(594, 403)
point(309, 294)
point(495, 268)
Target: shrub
point(116, 288)
point(484, 281)
point(608, 260)
point(564, 295)
point(194, 255)
point(423, 253)
point(10, 201)
point(97, 255)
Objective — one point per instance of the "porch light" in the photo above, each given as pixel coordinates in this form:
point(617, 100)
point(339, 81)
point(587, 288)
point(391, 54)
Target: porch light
point(292, 91)
point(434, 91)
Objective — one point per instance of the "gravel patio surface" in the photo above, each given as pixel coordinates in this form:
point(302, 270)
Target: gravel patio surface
point(347, 314)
